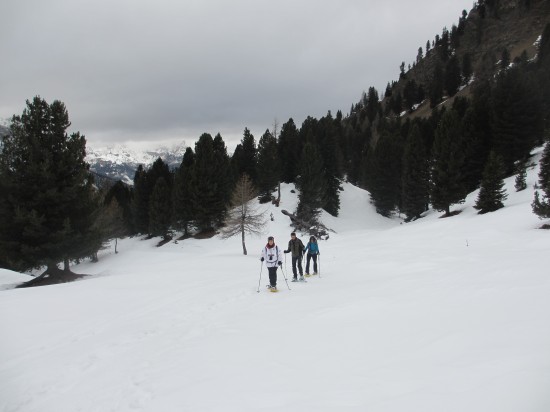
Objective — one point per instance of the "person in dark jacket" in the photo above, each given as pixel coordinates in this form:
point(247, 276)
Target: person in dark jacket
point(273, 258)
point(296, 246)
point(312, 249)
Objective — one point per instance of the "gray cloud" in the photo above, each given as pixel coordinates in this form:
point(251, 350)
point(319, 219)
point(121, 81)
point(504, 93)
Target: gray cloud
point(143, 70)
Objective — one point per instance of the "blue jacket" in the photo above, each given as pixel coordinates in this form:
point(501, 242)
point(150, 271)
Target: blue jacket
point(312, 248)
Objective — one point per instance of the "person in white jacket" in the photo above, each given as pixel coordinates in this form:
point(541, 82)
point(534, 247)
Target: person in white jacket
point(273, 257)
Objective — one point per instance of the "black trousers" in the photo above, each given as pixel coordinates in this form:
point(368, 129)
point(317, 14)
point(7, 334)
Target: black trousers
point(314, 257)
point(297, 259)
point(272, 275)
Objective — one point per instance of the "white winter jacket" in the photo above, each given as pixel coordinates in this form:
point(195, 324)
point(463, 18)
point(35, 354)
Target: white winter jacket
point(272, 256)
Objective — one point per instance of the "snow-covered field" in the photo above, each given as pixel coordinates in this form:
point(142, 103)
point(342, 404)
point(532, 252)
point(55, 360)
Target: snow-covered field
point(435, 315)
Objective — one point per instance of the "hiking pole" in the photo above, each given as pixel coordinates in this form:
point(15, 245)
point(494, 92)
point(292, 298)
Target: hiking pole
point(319, 256)
point(260, 281)
point(283, 272)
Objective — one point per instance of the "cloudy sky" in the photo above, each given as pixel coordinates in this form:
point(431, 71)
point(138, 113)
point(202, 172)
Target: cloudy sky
point(143, 71)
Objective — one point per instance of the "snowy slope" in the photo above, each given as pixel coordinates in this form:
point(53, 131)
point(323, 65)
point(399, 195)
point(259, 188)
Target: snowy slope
point(434, 315)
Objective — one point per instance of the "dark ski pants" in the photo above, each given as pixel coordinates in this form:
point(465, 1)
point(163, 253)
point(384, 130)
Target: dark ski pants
point(297, 259)
point(272, 275)
point(314, 257)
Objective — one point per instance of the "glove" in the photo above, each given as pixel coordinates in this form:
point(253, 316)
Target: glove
point(280, 263)
point(262, 259)
point(286, 251)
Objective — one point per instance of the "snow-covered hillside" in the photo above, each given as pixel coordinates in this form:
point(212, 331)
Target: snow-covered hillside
point(435, 315)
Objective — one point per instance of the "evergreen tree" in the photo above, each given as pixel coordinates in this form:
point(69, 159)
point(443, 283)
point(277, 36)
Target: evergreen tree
point(122, 194)
point(477, 133)
point(373, 104)
point(288, 152)
point(332, 161)
point(436, 86)
point(207, 196)
point(517, 113)
point(446, 186)
point(223, 167)
point(452, 76)
point(492, 192)
point(416, 175)
point(520, 182)
point(183, 207)
point(140, 202)
point(268, 166)
point(160, 209)
point(467, 69)
point(385, 173)
point(410, 94)
point(541, 207)
point(246, 161)
point(310, 184)
point(47, 202)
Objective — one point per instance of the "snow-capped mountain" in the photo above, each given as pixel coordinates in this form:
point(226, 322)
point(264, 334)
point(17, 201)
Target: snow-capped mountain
point(120, 162)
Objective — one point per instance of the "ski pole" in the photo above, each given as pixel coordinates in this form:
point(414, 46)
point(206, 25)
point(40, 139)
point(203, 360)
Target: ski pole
point(283, 272)
point(319, 256)
point(260, 281)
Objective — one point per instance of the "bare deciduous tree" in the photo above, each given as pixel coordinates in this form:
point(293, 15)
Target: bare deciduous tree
point(243, 217)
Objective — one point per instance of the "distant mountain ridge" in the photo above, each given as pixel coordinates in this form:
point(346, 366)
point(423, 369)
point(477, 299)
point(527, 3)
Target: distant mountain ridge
point(120, 162)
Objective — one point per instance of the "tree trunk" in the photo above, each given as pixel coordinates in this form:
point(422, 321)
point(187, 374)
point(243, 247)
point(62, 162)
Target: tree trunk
point(52, 275)
point(242, 236)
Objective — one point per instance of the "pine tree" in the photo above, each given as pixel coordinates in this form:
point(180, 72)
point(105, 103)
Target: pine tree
point(123, 196)
point(311, 184)
point(446, 186)
point(520, 182)
point(160, 209)
point(452, 76)
point(332, 161)
point(541, 207)
point(268, 166)
point(140, 202)
point(385, 173)
point(207, 196)
point(416, 175)
point(48, 201)
point(243, 217)
point(144, 184)
point(183, 207)
point(467, 70)
point(518, 120)
point(224, 178)
point(288, 151)
point(436, 86)
point(492, 193)
point(372, 105)
point(246, 162)
point(478, 136)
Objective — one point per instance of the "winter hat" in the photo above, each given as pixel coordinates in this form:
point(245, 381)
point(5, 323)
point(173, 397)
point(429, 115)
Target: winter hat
point(271, 238)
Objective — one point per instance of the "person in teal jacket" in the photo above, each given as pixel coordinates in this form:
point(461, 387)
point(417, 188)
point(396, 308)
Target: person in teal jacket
point(312, 249)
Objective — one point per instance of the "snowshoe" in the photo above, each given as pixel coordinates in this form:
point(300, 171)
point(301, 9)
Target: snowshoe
point(307, 275)
point(294, 280)
point(302, 279)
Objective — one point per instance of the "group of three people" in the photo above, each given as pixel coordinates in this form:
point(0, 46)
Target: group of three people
point(273, 257)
